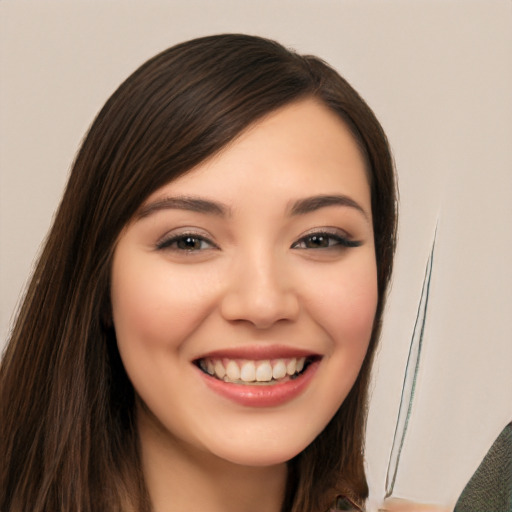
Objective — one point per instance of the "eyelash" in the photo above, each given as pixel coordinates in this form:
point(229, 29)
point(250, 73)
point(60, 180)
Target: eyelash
point(340, 242)
point(319, 237)
point(168, 243)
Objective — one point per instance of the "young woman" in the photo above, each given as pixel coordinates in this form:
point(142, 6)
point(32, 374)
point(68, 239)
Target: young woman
point(199, 330)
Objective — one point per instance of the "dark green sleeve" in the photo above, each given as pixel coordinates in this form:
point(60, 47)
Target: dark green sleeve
point(490, 488)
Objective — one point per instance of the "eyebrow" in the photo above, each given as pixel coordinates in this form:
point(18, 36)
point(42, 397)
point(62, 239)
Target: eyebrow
point(189, 203)
point(310, 204)
point(199, 205)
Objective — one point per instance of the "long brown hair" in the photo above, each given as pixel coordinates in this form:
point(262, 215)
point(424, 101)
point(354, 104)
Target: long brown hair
point(68, 435)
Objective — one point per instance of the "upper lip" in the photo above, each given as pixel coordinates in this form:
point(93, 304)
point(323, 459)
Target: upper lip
point(258, 352)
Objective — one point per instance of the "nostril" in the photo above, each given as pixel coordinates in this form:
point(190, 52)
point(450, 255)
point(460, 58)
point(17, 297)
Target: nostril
point(261, 306)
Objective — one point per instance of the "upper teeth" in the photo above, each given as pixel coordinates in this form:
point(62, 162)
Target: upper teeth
point(243, 370)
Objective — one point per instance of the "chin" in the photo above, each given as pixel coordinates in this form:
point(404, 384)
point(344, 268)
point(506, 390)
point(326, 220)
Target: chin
point(253, 454)
point(260, 458)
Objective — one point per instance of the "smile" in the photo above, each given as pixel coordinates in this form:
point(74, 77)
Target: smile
point(254, 372)
point(258, 377)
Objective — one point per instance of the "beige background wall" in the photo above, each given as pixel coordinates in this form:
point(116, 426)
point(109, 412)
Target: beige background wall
point(438, 75)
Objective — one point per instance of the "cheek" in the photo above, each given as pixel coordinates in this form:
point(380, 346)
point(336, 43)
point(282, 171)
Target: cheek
point(154, 309)
point(346, 306)
point(341, 301)
point(348, 313)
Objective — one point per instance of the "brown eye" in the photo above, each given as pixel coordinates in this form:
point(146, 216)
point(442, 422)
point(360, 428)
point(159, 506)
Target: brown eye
point(186, 243)
point(189, 243)
point(324, 241)
point(317, 242)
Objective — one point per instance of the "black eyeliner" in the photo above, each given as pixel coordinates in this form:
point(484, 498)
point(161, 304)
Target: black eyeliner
point(341, 241)
point(166, 242)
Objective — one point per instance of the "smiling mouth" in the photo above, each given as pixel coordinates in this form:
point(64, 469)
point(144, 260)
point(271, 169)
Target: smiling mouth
point(263, 372)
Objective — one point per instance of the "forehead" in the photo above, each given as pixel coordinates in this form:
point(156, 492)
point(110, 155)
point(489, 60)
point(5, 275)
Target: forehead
point(301, 149)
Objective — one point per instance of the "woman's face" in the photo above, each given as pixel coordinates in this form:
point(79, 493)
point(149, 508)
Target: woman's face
point(244, 292)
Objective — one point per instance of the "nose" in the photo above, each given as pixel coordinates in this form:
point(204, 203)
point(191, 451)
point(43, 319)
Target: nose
point(261, 293)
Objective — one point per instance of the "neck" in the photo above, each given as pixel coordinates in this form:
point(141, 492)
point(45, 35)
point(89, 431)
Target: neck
point(181, 477)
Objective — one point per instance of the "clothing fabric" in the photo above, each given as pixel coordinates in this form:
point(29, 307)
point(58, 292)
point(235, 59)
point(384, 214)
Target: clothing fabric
point(490, 488)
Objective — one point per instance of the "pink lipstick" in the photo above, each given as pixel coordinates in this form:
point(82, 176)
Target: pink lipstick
point(258, 376)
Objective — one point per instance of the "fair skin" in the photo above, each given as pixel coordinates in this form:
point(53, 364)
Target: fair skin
point(258, 263)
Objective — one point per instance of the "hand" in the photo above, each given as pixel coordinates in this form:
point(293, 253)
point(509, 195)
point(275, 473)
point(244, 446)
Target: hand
point(400, 505)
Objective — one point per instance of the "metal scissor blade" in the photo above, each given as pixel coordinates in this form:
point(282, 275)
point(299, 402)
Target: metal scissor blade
point(411, 373)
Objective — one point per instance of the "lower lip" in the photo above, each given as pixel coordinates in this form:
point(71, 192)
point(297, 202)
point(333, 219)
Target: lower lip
point(271, 395)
